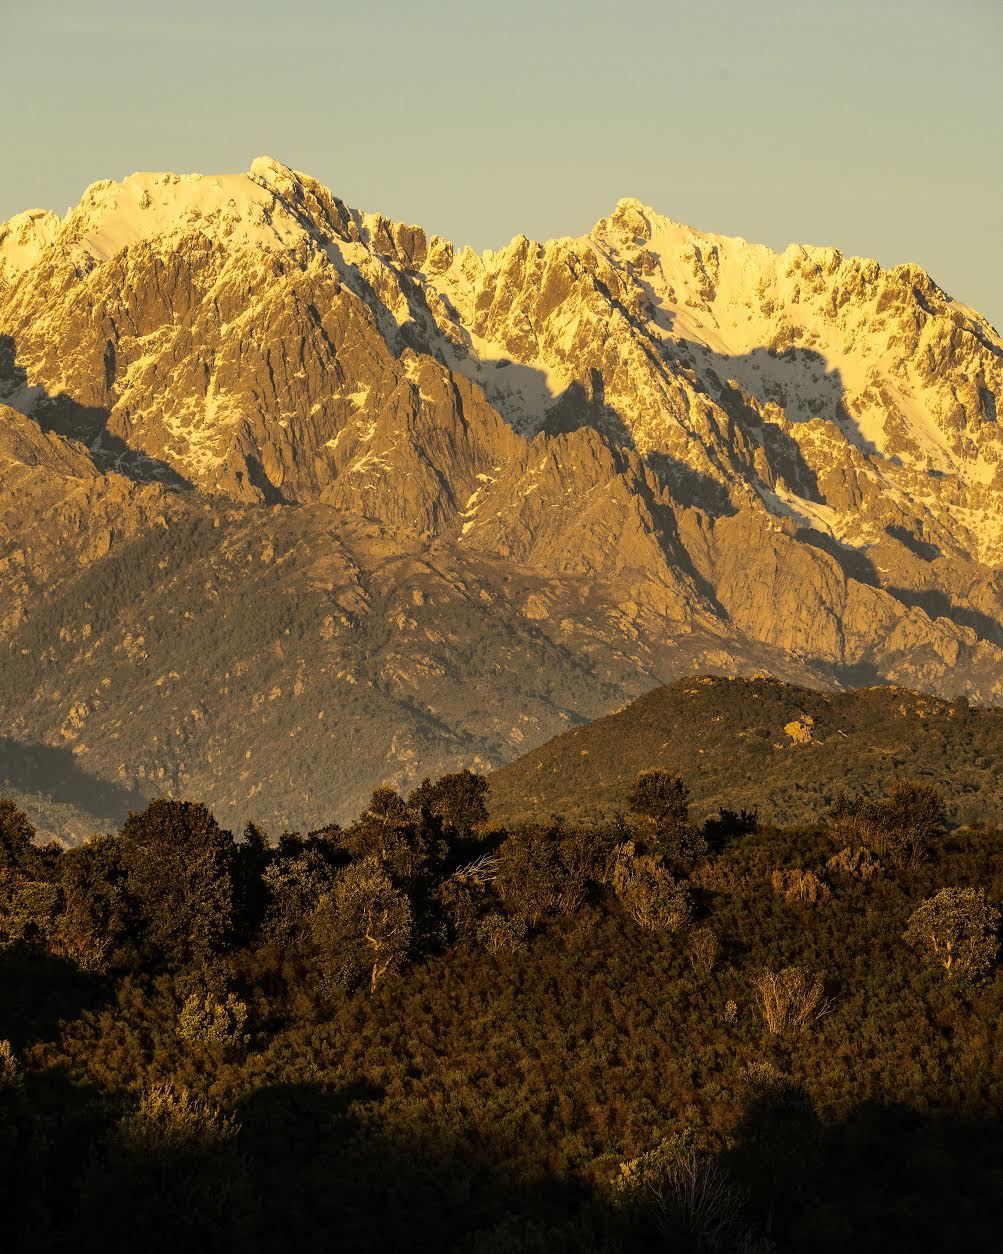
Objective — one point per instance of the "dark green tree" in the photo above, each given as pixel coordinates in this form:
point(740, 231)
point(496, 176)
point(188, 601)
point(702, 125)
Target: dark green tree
point(902, 829)
point(661, 797)
point(294, 887)
point(458, 801)
point(19, 858)
point(252, 857)
point(180, 878)
point(390, 831)
point(29, 900)
point(911, 822)
point(532, 879)
point(659, 804)
point(95, 927)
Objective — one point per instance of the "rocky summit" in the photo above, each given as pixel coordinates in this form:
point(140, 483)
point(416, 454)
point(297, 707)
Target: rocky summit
point(295, 499)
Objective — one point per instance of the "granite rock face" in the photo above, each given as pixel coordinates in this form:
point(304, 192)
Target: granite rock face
point(461, 500)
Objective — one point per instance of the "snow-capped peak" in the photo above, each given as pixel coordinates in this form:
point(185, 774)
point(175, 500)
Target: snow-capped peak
point(23, 240)
point(256, 209)
point(684, 344)
point(276, 175)
point(145, 205)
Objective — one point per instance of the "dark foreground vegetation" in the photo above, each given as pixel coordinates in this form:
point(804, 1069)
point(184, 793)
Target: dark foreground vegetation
point(423, 1033)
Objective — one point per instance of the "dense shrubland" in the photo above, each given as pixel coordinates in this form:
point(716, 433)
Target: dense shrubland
point(424, 1032)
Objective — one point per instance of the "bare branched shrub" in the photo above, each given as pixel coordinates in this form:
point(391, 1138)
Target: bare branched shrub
point(649, 893)
point(482, 870)
point(858, 864)
point(693, 1196)
point(573, 894)
point(703, 950)
point(790, 999)
point(10, 1068)
point(703, 1200)
point(795, 885)
point(169, 1119)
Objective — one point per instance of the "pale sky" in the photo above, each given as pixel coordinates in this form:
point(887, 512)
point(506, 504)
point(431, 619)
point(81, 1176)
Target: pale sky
point(873, 125)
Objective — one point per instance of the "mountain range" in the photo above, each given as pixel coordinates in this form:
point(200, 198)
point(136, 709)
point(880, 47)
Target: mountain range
point(295, 499)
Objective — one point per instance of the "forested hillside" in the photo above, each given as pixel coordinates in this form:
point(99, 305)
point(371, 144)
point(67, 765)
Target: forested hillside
point(428, 1031)
point(761, 744)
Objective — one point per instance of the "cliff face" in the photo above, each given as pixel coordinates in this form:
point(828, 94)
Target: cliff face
point(483, 495)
